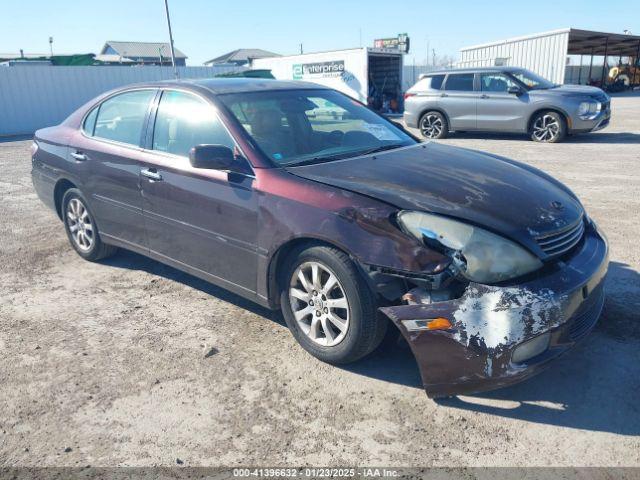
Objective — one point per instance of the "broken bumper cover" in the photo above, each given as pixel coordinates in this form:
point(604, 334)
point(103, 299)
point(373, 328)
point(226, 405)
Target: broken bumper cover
point(490, 322)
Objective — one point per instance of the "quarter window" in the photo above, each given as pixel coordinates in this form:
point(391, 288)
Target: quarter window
point(462, 82)
point(121, 118)
point(436, 82)
point(184, 121)
point(90, 122)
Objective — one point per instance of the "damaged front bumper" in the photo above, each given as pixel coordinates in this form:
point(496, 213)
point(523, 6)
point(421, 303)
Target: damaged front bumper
point(489, 323)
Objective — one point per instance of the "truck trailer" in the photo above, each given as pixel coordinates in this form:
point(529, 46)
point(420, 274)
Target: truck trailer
point(370, 75)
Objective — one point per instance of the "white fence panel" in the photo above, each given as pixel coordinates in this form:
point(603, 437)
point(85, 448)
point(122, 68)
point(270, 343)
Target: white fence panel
point(34, 97)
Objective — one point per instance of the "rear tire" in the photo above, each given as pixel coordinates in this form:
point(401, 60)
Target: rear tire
point(548, 127)
point(81, 227)
point(433, 125)
point(338, 296)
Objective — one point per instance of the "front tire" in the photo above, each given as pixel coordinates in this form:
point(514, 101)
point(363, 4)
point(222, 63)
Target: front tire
point(433, 125)
point(329, 308)
point(548, 127)
point(81, 227)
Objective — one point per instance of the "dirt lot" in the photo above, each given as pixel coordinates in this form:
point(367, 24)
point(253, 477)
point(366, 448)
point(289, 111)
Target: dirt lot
point(129, 362)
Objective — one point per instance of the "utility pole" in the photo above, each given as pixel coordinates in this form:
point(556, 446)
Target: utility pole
point(51, 46)
point(173, 53)
point(301, 52)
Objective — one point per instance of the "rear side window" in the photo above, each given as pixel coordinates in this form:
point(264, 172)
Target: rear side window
point(462, 82)
point(433, 82)
point(89, 124)
point(121, 118)
point(184, 121)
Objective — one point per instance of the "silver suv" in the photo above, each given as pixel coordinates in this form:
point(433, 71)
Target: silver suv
point(503, 99)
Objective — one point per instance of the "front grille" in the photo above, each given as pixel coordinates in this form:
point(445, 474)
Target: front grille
point(561, 241)
point(585, 321)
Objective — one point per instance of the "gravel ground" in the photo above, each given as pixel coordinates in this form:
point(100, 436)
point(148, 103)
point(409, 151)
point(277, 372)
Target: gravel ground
point(129, 362)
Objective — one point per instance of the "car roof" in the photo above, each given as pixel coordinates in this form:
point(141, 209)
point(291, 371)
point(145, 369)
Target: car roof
point(474, 70)
point(219, 86)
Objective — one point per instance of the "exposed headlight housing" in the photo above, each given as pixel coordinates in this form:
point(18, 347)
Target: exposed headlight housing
point(588, 110)
point(481, 256)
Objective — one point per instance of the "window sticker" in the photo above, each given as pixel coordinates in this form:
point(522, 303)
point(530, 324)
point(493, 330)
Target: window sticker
point(380, 132)
point(277, 156)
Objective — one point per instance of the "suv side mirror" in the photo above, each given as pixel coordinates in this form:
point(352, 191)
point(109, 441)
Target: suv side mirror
point(213, 157)
point(514, 90)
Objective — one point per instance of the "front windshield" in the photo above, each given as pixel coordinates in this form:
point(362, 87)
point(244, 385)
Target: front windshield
point(532, 81)
point(296, 127)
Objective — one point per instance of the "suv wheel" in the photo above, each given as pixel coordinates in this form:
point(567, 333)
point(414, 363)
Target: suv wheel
point(81, 227)
point(433, 125)
point(548, 127)
point(329, 308)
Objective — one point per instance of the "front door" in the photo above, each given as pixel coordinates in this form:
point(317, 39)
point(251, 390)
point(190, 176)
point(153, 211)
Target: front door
point(497, 109)
point(202, 219)
point(459, 100)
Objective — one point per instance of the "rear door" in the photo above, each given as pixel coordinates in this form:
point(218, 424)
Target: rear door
point(459, 101)
point(202, 219)
point(499, 110)
point(110, 148)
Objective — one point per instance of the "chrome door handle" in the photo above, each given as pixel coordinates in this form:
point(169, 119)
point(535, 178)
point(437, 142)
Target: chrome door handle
point(151, 174)
point(484, 96)
point(444, 95)
point(80, 157)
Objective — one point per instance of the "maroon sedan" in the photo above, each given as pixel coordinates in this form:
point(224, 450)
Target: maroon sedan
point(301, 199)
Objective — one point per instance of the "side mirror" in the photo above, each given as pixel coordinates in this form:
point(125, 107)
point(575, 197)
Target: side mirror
point(213, 157)
point(514, 90)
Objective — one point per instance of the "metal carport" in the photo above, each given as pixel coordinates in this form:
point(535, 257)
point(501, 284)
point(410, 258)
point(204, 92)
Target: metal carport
point(548, 53)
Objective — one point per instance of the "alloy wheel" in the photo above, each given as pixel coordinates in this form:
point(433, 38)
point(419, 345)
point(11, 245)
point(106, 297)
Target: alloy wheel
point(546, 128)
point(431, 126)
point(319, 304)
point(80, 225)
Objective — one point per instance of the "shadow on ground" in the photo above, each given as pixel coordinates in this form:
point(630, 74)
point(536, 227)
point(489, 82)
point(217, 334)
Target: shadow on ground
point(134, 261)
point(586, 138)
point(595, 387)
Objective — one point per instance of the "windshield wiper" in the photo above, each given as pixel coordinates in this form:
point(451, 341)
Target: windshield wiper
point(319, 159)
point(381, 148)
point(343, 155)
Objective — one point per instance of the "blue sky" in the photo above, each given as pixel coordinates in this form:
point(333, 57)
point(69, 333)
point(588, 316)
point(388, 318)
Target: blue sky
point(206, 29)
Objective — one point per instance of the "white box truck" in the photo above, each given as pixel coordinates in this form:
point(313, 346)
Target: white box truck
point(370, 75)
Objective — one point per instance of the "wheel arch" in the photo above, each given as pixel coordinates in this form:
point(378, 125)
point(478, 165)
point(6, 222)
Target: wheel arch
point(62, 185)
point(566, 117)
point(279, 257)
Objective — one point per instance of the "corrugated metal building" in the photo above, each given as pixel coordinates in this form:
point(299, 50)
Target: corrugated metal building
point(548, 53)
point(41, 96)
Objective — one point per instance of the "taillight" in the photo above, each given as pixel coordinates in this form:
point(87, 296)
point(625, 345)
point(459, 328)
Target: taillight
point(34, 148)
point(407, 95)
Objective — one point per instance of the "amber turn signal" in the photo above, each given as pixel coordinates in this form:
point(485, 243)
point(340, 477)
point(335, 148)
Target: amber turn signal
point(439, 323)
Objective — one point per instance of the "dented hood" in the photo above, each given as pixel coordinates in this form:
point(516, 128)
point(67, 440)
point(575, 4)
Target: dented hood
point(513, 199)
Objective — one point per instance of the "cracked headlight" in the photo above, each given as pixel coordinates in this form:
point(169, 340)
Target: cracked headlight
point(481, 256)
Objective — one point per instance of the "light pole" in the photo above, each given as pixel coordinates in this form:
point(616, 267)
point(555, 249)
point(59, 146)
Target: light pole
point(173, 53)
point(51, 45)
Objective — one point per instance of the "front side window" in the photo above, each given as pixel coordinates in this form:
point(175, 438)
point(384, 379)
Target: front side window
point(462, 82)
point(121, 118)
point(533, 81)
point(496, 82)
point(294, 127)
point(184, 121)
